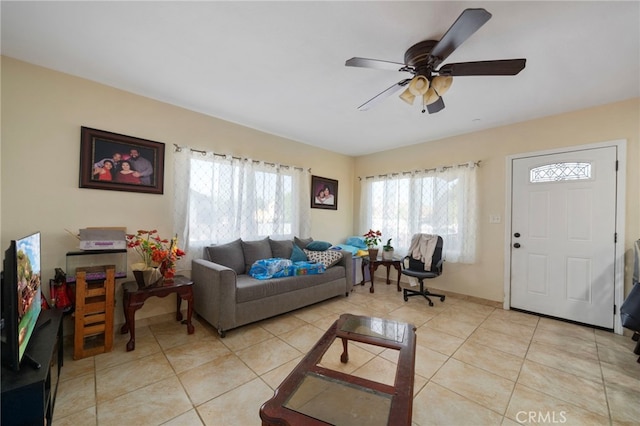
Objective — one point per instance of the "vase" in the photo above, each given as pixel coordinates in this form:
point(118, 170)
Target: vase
point(147, 276)
point(387, 255)
point(373, 253)
point(168, 270)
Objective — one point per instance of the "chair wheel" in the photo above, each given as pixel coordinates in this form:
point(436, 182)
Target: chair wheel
point(430, 303)
point(442, 299)
point(404, 296)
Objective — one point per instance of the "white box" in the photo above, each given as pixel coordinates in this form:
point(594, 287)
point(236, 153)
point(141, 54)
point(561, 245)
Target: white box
point(103, 245)
point(102, 239)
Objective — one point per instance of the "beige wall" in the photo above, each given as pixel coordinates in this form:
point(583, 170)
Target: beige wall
point(42, 112)
point(491, 147)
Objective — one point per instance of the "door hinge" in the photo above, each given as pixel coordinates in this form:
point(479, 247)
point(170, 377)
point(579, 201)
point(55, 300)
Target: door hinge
point(615, 237)
point(616, 165)
point(614, 309)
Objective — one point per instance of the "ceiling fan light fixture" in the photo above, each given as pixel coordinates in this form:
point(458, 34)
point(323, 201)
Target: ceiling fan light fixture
point(408, 97)
point(419, 85)
point(430, 97)
point(441, 84)
point(423, 59)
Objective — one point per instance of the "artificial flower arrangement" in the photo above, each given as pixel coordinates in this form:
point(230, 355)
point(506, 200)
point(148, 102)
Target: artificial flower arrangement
point(372, 238)
point(155, 252)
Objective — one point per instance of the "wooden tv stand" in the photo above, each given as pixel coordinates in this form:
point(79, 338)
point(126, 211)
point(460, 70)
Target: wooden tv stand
point(29, 395)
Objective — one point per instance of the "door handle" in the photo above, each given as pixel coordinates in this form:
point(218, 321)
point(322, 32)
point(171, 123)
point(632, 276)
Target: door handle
point(516, 245)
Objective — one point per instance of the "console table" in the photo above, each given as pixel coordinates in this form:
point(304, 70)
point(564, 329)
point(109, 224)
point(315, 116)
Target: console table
point(373, 265)
point(134, 296)
point(315, 395)
point(29, 395)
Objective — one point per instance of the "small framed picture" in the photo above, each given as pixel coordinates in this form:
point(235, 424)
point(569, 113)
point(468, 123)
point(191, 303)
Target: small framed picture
point(324, 193)
point(120, 163)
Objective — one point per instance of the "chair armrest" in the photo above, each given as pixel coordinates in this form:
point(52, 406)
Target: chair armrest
point(438, 266)
point(405, 262)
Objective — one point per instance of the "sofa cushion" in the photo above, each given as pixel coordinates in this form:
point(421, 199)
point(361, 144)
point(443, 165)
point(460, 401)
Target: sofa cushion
point(297, 255)
point(229, 255)
point(318, 246)
point(281, 248)
point(327, 257)
point(302, 242)
point(255, 250)
point(357, 242)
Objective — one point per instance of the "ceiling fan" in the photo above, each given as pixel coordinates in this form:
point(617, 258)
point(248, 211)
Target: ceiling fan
point(423, 59)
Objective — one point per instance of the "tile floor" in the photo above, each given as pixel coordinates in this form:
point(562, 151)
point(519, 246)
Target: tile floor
point(476, 364)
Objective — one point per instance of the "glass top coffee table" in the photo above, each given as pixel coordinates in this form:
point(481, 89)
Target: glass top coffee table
point(315, 395)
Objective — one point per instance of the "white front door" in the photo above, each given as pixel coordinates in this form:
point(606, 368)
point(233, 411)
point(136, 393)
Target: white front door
point(563, 224)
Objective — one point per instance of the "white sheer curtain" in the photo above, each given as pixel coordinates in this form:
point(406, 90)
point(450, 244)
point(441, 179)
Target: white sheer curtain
point(442, 201)
point(221, 198)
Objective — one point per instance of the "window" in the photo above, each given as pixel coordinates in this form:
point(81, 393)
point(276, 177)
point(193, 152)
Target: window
point(220, 199)
point(560, 171)
point(439, 202)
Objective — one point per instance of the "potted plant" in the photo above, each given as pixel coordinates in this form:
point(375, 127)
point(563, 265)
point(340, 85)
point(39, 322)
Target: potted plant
point(158, 256)
point(387, 251)
point(372, 239)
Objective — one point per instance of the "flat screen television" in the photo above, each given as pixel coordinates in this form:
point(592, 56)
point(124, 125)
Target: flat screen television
point(21, 298)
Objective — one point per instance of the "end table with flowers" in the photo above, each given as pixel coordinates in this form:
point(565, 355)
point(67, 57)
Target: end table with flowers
point(158, 256)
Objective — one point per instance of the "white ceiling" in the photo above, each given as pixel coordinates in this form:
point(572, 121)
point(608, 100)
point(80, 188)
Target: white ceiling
point(279, 66)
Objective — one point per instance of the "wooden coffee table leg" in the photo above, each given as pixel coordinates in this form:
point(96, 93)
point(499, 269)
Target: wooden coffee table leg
point(344, 358)
point(189, 298)
point(372, 270)
point(178, 311)
point(130, 315)
point(125, 302)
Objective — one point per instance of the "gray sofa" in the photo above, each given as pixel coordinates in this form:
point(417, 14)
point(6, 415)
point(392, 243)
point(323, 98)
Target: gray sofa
point(227, 297)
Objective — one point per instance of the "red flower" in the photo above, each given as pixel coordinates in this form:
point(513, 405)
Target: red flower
point(372, 238)
point(156, 251)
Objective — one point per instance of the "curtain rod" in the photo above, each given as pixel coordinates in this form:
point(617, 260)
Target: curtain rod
point(441, 168)
point(215, 154)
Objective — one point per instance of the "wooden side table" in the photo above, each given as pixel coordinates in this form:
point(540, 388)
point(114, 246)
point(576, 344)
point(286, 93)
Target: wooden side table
point(373, 265)
point(134, 296)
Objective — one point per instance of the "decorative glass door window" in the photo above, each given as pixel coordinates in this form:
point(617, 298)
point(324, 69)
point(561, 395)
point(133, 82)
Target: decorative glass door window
point(560, 172)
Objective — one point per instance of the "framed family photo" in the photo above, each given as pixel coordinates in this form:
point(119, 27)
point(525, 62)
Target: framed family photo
point(120, 163)
point(324, 193)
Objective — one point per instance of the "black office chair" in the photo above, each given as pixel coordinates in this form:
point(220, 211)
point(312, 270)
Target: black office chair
point(415, 268)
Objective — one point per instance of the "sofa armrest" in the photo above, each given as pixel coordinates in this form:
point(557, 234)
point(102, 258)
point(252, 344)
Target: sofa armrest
point(347, 262)
point(214, 293)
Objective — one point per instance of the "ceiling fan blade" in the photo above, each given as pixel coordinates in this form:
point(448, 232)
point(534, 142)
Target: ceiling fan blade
point(374, 63)
point(469, 21)
point(383, 95)
point(499, 67)
point(436, 106)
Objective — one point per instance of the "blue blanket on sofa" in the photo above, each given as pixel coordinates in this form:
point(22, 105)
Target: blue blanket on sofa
point(265, 269)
